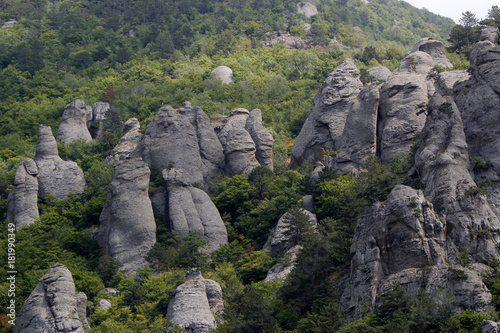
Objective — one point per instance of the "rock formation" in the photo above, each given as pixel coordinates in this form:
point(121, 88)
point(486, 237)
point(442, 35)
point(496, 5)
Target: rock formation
point(489, 326)
point(55, 175)
point(434, 49)
point(128, 229)
point(184, 139)
point(380, 73)
point(22, 208)
point(190, 209)
point(307, 8)
point(195, 304)
point(283, 37)
point(491, 34)
point(75, 120)
point(483, 52)
point(99, 115)
point(447, 80)
point(81, 304)
point(128, 142)
point(224, 73)
point(52, 306)
point(246, 143)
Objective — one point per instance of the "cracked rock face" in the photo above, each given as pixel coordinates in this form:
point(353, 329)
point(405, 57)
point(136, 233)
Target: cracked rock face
point(22, 208)
point(55, 175)
point(195, 303)
point(128, 230)
point(75, 119)
point(52, 306)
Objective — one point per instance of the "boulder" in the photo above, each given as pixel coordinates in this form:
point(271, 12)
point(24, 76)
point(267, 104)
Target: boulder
point(191, 209)
point(324, 127)
point(195, 303)
point(55, 175)
point(399, 125)
point(380, 73)
point(75, 120)
point(224, 73)
point(104, 304)
point(52, 306)
point(484, 52)
point(434, 48)
point(359, 139)
point(127, 228)
point(491, 34)
point(183, 139)
point(307, 8)
point(22, 207)
point(128, 142)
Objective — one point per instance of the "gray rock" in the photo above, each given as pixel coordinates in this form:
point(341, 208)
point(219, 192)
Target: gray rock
point(261, 137)
point(434, 48)
point(308, 203)
point(325, 125)
point(9, 24)
point(489, 326)
point(281, 269)
point(99, 111)
point(239, 147)
point(81, 304)
point(380, 73)
point(442, 161)
point(52, 306)
point(128, 230)
point(315, 174)
point(417, 62)
point(55, 175)
point(104, 304)
point(490, 34)
point(112, 291)
point(191, 209)
point(128, 142)
point(22, 207)
point(195, 303)
point(447, 80)
point(359, 139)
point(484, 52)
point(74, 124)
point(224, 73)
point(400, 124)
point(184, 139)
point(280, 37)
point(307, 8)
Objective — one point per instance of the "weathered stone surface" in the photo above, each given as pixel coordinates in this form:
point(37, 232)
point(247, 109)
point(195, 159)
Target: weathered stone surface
point(52, 306)
point(359, 139)
point(81, 304)
point(442, 161)
point(417, 62)
point(99, 115)
point(22, 207)
point(74, 123)
point(325, 125)
point(224, 73)
point(128, 142)
point(447, 80)
point(280, 270)
point(489, 326)
point(484, 52)
point(399, 100)
point(239, 147)
point(104, 304)
point(434, 48)
point(184, 139)
point(261, 137)
point(307, 8)
point(191, 209)
point(380, 73)
point(195, 303)
point(55, 175)
point(128, 229)
point(491, 34)
point(283, 37)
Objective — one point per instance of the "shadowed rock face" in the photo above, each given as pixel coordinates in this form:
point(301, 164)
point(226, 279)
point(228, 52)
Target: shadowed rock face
point(22, 208)
point(52, 306)
point(76, 117)
point(195, 303)
point(128, 229)
point(55, 175)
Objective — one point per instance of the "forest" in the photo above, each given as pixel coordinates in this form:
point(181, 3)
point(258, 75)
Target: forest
point(140, 55)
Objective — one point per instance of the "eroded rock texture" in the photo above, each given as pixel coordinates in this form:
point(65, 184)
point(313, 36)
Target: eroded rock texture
point(183, 139)
point(128, 229)
point(75, 120)
point(52, 306)
point(196, 303)
point(55, 175)
point(128, 142)
point(191, 209)
point(22, 208)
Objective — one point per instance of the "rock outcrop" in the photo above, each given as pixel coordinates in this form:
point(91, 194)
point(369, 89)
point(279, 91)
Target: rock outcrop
point(75, 120)
point(491, 34)
point(81, 304)
point(195, 304)
point(483, 52)
point(128, 142)
point(489, 326)
point(380, 73)
point(447, 80)
point(191, 209)
point(432, 47)
point(307, 8)
point(22, 208)
point(246, 143)
point(224, 73)
point(99, 115)
point(55, 175)
point(183, 139)
point(128, 229)
point(52, 306)
point(283, 37)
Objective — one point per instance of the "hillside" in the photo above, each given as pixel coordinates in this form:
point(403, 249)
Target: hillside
point(342, 178)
